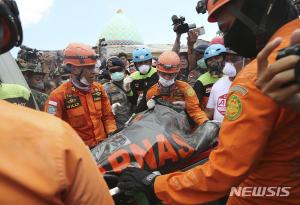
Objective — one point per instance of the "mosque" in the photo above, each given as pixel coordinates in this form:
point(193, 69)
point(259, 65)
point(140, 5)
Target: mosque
point(121, 35)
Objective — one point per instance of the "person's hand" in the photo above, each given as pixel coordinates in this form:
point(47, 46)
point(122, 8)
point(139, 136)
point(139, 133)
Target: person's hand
point(114, 107)
point(134, 180)
point(127, 83)
point(151, 104)
point(192, 37)
point(278, 80)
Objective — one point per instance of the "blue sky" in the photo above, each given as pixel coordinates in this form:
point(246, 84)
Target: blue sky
point(52, 24)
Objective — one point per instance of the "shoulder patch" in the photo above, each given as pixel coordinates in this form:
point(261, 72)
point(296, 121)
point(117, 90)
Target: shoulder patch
point(239, 89)
point(52, 109)
point(190, 92)
point(52, 103)
point(234, 108)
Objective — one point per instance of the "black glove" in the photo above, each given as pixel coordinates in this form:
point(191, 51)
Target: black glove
point(133, 180)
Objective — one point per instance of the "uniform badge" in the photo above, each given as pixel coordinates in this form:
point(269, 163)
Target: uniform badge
point(72, 101)
point(97, 96)
point(238, 89)
point(52, 109)
point(234, 108)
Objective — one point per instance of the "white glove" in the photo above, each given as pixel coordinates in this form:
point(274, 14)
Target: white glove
point(114, 107)
point(180, 103)
point(126, 83)
point(151, 104)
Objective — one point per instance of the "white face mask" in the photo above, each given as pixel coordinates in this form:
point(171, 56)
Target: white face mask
point(229, 70)
point(166, 83)
point(144, 69)
point(84, 81)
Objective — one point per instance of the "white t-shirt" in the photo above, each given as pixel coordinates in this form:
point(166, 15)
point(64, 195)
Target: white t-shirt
point(217, 97)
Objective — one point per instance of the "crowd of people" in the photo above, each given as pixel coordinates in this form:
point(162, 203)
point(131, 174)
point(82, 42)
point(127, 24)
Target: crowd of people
point(247, 81)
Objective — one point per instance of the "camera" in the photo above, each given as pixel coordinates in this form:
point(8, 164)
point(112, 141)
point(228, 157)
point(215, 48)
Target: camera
point(201, 6)
point(102, 42)
point(179, 25)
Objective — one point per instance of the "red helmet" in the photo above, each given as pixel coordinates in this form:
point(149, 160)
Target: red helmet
point(168, 62)
point(79, 54)
point(213, 6)
point(217, 40)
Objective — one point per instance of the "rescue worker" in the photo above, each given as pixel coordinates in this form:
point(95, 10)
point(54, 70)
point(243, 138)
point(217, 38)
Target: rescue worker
point(137, 84)
point(42, 163)
point(214, 57)
point(82, 102)
point(121, 107)
point(259, 140)
point(175, 91)
point(34, 75)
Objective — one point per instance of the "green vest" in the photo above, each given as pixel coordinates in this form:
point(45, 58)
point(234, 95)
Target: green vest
point(138, 76)
point(9, 91)
point(207, 79)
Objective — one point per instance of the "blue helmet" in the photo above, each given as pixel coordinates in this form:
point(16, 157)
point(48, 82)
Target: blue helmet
point(214, 50)
point(141, 55)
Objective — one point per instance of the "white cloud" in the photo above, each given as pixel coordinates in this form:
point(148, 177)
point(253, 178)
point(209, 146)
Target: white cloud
point(33, 11)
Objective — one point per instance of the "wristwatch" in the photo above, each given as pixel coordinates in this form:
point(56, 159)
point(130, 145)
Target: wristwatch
point(148, 180)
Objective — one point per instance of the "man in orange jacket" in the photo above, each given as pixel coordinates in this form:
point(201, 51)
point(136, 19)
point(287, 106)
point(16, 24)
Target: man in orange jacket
point(175, 91)
point(257, 160)
point(43, 160)
point(82, 102)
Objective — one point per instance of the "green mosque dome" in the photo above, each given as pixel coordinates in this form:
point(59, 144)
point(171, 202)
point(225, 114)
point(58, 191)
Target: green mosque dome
point(120, 31)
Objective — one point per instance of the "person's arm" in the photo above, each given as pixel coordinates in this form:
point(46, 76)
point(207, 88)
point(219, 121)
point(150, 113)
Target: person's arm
point(192, 106)
point(210, 113)
point(191, 40)
point(211, 104)
point(278, 80)
point(225, 168)
point(54, 105)
point(83, 181)
point(176, 46)
point(200, 90)
point(107, 115)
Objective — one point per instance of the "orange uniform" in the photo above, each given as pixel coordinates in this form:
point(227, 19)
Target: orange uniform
point(259, 147)
point(44, 162)
point(89, 113)
point(182, 92)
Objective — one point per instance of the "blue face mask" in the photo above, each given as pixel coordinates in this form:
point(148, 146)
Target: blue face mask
point(117, 76)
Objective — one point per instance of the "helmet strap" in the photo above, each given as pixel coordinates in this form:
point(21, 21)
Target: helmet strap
point(258, 30)
point(78, 77)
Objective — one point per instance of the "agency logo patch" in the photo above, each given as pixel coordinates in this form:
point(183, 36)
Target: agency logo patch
point(234, 108)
